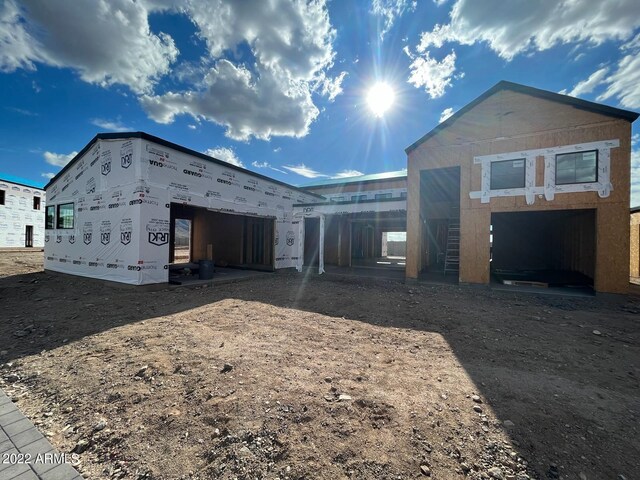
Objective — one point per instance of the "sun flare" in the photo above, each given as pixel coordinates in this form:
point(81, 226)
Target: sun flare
point(380, 98)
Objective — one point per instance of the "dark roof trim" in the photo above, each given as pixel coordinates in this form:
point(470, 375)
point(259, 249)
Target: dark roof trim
point(350, 202)
point(535, 92)
point(635, 209)
point(174, 146)
point(22, 184)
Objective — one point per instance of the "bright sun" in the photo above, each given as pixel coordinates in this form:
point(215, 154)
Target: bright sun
point(380, 98)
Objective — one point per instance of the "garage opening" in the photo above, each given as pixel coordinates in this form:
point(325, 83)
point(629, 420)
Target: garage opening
point(544, 249)
point(230, 240)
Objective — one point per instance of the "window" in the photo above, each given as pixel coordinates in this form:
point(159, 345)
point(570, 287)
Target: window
point(357, 198)
point(337, 199)
point(579, 167)
point(403, 194)
point(380, 196)
point(507, 174)
point(1, 197)
point(65, 215)
point(50, 218)
point(36, 203)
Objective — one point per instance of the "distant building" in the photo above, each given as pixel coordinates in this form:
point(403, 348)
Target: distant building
point(22, 210)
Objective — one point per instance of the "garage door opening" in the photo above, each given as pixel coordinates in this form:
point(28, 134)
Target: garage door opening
point(230, 240)
point(544, 249)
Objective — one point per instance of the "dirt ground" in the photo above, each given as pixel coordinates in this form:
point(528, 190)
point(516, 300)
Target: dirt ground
point(318, 378)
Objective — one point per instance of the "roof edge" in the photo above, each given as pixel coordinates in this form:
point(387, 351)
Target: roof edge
point(21, 184)
point(579, 103)
point(174, 146)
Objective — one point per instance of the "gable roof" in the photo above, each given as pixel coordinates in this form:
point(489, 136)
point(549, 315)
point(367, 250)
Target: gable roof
point(535, 92)
point(374, 177)
point(174, 146)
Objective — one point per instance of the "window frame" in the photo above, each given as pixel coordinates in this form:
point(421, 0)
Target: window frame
point(383, 196)
point(58, 222)
point(52, 225)
point(3, 196)
point(37, 203)
point(524, 173)
point(359, 197)
point(596, 151)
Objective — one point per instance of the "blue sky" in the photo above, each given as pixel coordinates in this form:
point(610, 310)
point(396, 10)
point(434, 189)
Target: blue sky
point(281, 87)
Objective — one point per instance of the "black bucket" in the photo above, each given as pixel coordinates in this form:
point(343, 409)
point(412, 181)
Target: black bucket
point(206, 269)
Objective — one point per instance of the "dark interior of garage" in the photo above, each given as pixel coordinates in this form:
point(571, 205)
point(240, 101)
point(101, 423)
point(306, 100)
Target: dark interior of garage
point(235, 241)
point(544, 248)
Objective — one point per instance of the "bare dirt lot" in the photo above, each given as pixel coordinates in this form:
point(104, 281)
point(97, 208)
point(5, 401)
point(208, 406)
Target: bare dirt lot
point(324, 378)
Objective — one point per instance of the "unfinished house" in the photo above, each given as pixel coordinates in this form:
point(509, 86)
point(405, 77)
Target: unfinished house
point(135, 209)
point(523, 186)
point(363, 223)
point(21, 215)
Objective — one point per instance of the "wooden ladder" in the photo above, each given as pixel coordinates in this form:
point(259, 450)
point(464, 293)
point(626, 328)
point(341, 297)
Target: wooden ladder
point(452, 254)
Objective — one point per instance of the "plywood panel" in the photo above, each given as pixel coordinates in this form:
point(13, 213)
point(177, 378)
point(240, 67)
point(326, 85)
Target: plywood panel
point(612, 244)
point(474, 245)
point(634, 247)
point(224, 231)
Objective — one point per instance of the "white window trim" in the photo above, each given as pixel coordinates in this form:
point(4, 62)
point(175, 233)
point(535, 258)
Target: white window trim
point(549, 189)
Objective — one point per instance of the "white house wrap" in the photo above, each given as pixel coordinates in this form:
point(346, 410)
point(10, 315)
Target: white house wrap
point(120, 189)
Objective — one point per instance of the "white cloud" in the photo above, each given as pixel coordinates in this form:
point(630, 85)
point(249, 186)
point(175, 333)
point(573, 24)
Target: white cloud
point(389, 10)
point(263, 64)
point(112, 126)
point(225, 154)
point(265, 164)
point(434, 76)
point(588, 85)
point(304, 171)
point(268, 93)
point(48, 175)
point(278, 170)
point(115, 46)
point(191, 126)
point(446, 113)
point(277, 150)
point(347, 173)
point(535, 26)
point(238, 100)
point(624, 83)
point(332, 87)
point(58, 159)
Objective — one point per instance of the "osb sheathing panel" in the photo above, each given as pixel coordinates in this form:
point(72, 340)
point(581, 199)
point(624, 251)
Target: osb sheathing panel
point(360, 187)
point(635, 245)
point(223, 231)
point(509, 122)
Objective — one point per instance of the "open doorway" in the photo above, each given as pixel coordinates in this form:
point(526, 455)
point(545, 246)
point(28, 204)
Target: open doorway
point(440, 214)
point(311, 242)
point(544, 248)
point(182, 240)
